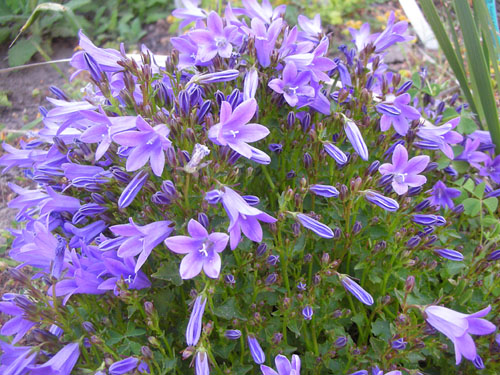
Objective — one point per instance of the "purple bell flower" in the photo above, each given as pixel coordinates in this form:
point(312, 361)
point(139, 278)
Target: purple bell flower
point(283, 365)
point(243, 217)
point(405, 173)
point(132, 189)
point(395, 111)
point(148, 143)
point(233, 129)
point(61, 363)
point(141, 240)
point(201, 364)
point(336, 153)
point(202, 250)
point(442, 196)
point(216, 40)
point(233, 334)
point(293, 84)
point(458, 327)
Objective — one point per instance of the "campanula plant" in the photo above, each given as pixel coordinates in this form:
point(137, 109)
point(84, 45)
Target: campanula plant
point(259, 201)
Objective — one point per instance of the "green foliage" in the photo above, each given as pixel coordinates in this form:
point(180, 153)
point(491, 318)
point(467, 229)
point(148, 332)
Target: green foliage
point(31, 25)
point(481, 52)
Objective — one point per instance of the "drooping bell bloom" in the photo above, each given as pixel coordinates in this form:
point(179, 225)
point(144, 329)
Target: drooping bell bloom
point(202, 250)
point(233, 129)
point(283, 366)
point(458, 328)
point(243, 217)
point(405, 173)
point(61, 363)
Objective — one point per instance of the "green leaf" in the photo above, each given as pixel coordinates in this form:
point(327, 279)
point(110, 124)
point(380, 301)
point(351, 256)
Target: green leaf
point(436, 24)
point(491, 203)
point(381, 329)
point(472, 206)
point(4, 99)
point(21, 52)
point(169, 272)
point(293, 326)
point(469, 185)
point(479, 68)
point(229, 310)
point(479, 190)
point(466, 125)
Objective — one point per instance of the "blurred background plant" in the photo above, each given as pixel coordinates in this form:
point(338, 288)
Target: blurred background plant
point(35, 23)
point(465, 32)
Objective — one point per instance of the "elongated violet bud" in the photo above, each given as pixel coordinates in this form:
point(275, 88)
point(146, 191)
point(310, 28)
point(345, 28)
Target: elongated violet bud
point(356, 290)
point(132, 189)
point(193, 330)
point(320, 229)
point(336, 153)
point(255, 350)
point(357, 141)
point(324, 190)
point(378, 199)
point(450, 254)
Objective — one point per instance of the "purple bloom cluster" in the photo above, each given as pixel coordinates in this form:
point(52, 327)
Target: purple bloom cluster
point(163, 160)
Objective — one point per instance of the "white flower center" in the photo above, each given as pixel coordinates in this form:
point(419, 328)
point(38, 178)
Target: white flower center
point(400, 177)
point(220, 42)
point(234, 133)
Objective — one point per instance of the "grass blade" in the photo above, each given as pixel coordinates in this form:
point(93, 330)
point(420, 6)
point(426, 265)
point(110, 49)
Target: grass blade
point(479, 69)
point(444, 42)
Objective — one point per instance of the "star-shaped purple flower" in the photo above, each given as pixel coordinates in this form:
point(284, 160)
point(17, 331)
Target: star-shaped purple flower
point(405, 173)
point(491, 169)
point(141, 239)
point(202, 250)
point(442, 136)
point(233, 129)
point(149, 144)
point(443, 196)
point(243, 217)
point(395, 111)
point(283, 366)
point(216, 40)
point(293, 84)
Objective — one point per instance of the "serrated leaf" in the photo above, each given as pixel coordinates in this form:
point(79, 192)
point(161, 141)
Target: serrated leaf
point(294, 327)
point(472, 206)
point(169, 272)
point(381, 329)
point(21, 52)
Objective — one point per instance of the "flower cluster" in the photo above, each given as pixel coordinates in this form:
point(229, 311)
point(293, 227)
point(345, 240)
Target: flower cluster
point(337, 237)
